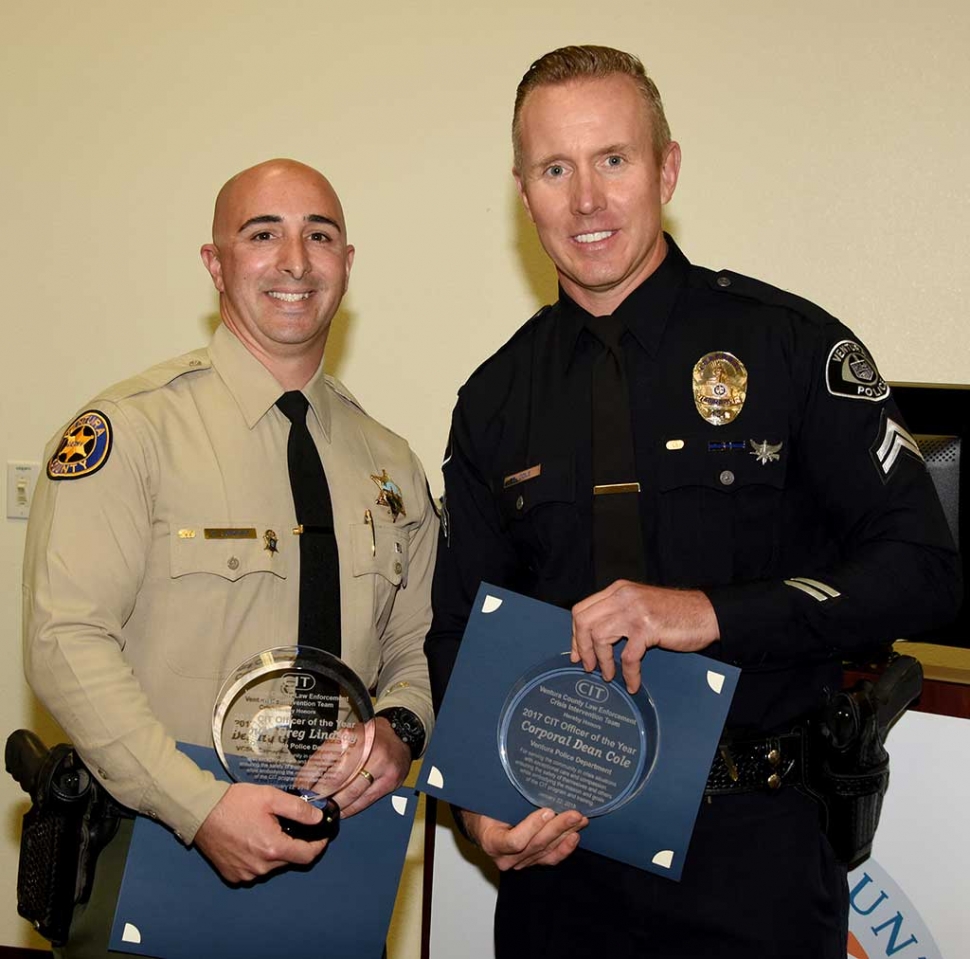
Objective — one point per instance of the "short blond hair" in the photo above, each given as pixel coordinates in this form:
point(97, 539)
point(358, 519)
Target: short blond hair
point(590, 63)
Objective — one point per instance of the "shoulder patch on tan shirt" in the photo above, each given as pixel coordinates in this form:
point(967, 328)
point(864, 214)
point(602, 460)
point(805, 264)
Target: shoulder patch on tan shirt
point(84, 448)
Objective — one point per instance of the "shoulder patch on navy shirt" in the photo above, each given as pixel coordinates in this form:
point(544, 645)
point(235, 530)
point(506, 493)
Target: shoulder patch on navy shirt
point(83, 449)
point(851, 372)
point(893, 439)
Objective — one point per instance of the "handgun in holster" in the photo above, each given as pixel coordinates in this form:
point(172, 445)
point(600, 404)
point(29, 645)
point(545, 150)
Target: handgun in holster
point(847, 766)
point(71, 820)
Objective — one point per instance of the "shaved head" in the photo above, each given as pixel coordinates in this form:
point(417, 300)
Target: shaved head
point(237, 191)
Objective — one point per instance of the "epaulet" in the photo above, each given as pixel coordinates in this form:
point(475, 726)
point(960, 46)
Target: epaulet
point(736, 284)
point(158, 376)
point(524, 330)
point(343, 393)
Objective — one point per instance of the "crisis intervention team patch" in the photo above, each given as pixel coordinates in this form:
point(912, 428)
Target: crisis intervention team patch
point(83, 449)
point(851, 372)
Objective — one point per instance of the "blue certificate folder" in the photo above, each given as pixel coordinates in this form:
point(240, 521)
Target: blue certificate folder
point(176, 904)
point(507, 636)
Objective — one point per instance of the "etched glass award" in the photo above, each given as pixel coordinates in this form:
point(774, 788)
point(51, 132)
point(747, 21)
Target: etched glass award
point(570, 740)
point(299, 719)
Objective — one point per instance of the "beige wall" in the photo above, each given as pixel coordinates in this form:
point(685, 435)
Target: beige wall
point(824, 151)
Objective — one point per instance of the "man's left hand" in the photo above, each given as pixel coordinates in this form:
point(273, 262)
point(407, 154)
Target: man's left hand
point(681, 620)
point(387, 765)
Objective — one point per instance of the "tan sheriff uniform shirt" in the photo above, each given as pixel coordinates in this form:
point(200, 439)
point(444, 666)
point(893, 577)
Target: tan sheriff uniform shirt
point(133, 617)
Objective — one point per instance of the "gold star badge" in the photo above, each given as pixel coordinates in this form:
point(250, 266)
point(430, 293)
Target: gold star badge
point(390, 495)
point(77, 444)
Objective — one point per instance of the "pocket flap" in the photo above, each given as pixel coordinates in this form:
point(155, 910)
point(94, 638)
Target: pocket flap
point(227, 551)
point(714, 465)
point(554, 483)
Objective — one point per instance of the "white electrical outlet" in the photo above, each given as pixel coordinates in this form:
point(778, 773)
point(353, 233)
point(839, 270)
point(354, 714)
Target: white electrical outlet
point(21, 480)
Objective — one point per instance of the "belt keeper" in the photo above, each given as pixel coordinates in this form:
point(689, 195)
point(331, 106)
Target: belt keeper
point(757, 765)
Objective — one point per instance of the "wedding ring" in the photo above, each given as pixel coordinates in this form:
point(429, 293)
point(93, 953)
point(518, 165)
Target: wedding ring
point(368, 776)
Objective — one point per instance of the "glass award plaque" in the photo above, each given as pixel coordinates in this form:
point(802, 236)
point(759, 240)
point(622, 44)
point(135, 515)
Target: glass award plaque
point(299, 719)
point(570, 740)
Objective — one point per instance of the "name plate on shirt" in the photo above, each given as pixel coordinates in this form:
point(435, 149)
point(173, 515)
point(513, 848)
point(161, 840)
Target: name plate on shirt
point(229, 532)
point(521, 727)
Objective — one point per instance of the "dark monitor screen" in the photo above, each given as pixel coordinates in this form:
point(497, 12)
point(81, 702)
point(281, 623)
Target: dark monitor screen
point(938, 416)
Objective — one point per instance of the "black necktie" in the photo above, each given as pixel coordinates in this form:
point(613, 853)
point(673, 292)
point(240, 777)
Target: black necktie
point(319, 576)
point(617, 537)
point(319, 572)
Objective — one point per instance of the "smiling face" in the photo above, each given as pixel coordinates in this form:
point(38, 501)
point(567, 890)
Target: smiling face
point(593, 185)
point(279, 258)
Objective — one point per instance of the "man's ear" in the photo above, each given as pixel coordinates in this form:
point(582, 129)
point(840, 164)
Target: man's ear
point(210, 257)
point(350, 263)
point(522, 194)
point(669, 171)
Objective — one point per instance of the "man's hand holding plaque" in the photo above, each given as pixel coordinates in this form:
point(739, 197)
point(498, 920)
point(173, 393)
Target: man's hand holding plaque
point(543, 838)
point(539, 741)
point(241, 837)
point(299, 720)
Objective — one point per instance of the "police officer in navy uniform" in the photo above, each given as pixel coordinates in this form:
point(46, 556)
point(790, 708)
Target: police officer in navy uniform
point(778, 517)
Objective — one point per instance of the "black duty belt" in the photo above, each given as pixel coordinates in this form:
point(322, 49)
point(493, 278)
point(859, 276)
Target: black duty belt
point(752, 765)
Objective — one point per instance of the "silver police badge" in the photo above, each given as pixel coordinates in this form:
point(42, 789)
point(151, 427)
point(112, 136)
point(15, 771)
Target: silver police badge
point(720, 384)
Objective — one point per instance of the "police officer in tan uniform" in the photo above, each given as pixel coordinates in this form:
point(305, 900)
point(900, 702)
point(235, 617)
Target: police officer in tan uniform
point(161, 550)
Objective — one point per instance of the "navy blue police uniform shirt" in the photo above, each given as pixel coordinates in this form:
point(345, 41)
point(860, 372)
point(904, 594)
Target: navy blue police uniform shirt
point(808, 517)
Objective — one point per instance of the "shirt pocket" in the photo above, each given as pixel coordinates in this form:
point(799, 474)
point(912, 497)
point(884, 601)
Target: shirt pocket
point(540, 513)
point(381, 549)
point(380, 558)
point(554, 483)
point(225, 590)
point(720, 510)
